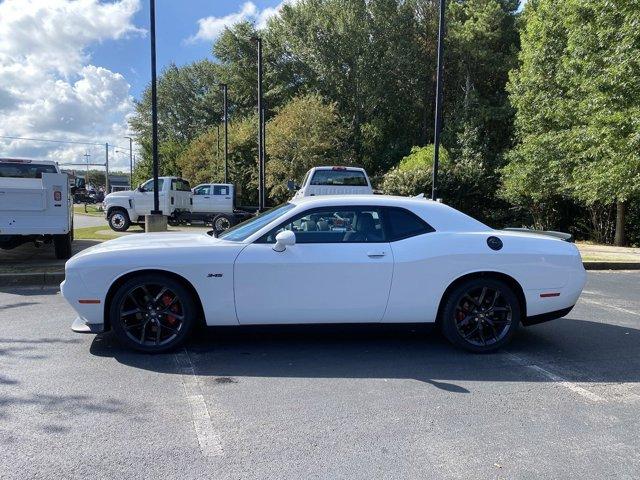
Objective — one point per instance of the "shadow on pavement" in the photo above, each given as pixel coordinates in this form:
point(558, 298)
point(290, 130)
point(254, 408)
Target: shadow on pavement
point(28, 257)
point(578, 350)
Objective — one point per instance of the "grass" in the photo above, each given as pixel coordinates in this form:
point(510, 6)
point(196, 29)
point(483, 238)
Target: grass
point(92, 210)
point(94, 233)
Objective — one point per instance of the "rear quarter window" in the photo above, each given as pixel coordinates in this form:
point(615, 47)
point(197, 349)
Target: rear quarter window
point(405, 224)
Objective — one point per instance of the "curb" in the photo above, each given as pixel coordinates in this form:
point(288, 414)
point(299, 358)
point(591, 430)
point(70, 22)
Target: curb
point(611, 265)
point(36, 279)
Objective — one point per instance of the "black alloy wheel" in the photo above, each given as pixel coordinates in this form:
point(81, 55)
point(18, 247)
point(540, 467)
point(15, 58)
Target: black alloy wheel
point(152, 313)
point(481, 315)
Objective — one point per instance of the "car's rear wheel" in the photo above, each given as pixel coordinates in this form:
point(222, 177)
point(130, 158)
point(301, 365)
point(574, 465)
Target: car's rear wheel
point(152, 313)
point(119, 220)
point(481, 315)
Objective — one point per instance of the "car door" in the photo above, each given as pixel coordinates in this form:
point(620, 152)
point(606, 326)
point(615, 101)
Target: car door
point(143, 199)
point(202, 198)
point(222, 198)
point(339, 270)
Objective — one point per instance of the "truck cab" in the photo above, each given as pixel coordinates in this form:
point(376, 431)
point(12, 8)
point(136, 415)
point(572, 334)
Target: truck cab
point(335, 181)
point(35, 205)
point(130, 206)
point(213, 198)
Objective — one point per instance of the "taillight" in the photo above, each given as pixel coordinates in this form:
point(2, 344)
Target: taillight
point(57, 195)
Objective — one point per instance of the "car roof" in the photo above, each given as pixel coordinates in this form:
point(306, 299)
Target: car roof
point(440, 216)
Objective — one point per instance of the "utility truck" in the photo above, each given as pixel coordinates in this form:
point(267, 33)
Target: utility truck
point(126, 207)
point(36, 205)
point(215, 204)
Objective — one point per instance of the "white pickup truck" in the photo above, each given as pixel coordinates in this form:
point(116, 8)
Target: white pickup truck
point(334, 181)
point(35, 205)
point(215, 204)
point(130, 206)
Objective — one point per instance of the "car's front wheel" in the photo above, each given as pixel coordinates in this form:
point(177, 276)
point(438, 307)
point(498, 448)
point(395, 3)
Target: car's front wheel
point(119, 220)
point(152, 313)
point(481, 315)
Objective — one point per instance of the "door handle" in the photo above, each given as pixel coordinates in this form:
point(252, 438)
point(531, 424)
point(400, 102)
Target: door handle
point(376, 254)
point(206, 197)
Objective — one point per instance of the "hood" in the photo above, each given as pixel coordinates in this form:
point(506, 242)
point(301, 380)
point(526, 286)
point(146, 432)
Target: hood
point(143, 243)
point(120, 193)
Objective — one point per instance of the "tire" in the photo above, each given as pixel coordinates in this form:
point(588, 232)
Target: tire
point(119, 220)
point(478, 319)
point(139, 312)
point(221, 223)
point(62, 246)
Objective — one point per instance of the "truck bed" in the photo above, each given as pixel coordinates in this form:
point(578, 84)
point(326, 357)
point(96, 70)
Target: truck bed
point(28, 206)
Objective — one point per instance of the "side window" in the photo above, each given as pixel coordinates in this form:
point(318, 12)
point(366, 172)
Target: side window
point(202, 190)
point(148, 186)
point(334, 225)
point(220, 190)
point(180, 185)
point(404, 224)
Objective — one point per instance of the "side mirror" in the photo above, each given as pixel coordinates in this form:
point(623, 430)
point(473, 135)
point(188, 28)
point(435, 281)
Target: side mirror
point(292, 186)
point(283, 240)
point(140, 188)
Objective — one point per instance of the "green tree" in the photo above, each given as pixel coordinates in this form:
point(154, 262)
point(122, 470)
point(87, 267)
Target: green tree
point(603, 77)
point(189, 102)
point(304, 133)
point(577, 96)
point(200, 163)
point(168, 153)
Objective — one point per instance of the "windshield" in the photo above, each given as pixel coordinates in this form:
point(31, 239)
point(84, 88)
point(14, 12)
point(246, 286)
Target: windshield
point(244, 230)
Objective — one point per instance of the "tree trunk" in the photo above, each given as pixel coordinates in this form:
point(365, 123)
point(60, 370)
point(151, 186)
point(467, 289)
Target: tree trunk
point(620, 239)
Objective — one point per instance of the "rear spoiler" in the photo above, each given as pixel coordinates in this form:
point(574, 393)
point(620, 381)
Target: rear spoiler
point(567, 237)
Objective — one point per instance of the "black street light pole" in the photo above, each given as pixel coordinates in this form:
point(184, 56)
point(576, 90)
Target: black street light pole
point(225, 107)
point(130, 162)
point(439, 82)
point(261, 196)
point(154, 109)
point(218, 147)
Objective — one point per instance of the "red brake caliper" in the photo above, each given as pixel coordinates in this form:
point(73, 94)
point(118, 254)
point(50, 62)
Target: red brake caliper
point(166, 300)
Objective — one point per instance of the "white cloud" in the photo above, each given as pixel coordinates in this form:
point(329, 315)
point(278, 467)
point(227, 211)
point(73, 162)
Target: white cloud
point(209, 28)
point(48, 86)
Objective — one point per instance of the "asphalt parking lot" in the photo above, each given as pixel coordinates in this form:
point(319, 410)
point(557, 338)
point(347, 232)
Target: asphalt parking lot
point(563, 401)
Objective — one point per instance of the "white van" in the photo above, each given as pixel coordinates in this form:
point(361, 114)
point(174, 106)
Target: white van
point(35, 205)
point(335, 181)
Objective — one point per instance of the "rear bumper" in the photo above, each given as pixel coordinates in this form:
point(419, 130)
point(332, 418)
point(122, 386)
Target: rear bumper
point(546, 317)
point(80, 325)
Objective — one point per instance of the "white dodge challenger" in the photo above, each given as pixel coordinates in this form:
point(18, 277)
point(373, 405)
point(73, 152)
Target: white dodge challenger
point(349, 259)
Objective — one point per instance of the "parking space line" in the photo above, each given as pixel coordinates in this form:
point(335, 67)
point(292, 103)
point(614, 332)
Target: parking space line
point(605, 305)
point(563, 382)
point(209, 440)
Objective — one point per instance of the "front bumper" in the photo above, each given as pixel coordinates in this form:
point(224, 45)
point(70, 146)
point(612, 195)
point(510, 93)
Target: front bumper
point(80, 325)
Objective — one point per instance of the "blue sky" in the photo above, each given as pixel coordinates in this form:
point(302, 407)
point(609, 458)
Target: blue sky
point(176, 21)
point(71, 70)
